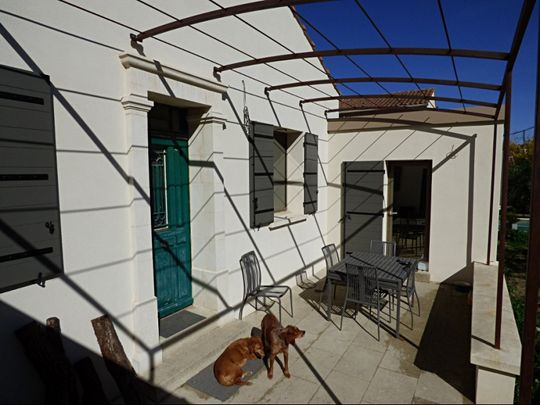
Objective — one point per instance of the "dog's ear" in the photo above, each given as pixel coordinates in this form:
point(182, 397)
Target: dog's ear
point(290, 334)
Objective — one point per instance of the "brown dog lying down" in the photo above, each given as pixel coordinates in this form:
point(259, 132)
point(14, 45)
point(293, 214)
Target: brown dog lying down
point(228, 367)
point(277, 340)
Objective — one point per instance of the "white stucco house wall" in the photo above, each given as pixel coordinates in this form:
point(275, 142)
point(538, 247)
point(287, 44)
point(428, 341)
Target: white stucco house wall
point(103, 89)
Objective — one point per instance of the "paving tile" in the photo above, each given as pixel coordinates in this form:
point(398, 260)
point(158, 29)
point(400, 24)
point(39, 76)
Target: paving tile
point(254, 393)
point(433, 389)
point(367, 338)
point(399, 357)
point(292, 390)
point(317, 364)
point(314, 323)
point(359, 362)
point(346, 388)
point(335, 340)
point(391, 388)
point(189, 395)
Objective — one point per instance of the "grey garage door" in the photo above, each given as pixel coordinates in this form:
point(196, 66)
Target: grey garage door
point(363, 204)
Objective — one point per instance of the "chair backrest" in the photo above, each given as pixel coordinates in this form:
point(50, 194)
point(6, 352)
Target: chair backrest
point(362, 284)
point(251, 273)
point(330, 255)
point(410, 283)
point(382, 247)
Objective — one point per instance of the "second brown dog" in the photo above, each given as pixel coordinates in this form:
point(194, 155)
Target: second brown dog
point(228, 367)
point(276, 340)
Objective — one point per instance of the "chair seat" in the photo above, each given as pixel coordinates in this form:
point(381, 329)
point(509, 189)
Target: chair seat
point(273, 290)
point(373, 304)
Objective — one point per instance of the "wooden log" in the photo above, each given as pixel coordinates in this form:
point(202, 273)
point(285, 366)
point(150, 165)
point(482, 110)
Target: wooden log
point(92, 390)
point(54, 333)
point(49, 359)
point(117, 362)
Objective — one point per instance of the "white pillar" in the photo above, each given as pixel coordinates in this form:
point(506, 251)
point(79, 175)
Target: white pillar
point(207, 212)
point(147, 352)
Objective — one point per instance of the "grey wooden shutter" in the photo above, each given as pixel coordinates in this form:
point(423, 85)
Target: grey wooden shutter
point(261, 164)
point(310, 173)
point(363, 204)
point(30, 243)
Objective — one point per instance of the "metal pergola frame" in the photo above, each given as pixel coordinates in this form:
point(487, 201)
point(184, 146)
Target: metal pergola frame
point(423, 80)
point(462, 53)
point(361, 113)
point(404, 96)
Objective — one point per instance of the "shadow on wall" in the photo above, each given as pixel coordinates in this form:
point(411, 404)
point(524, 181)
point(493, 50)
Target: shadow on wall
point(23, 377)
point(446, 343)
point(467, 141)
point(20, 377)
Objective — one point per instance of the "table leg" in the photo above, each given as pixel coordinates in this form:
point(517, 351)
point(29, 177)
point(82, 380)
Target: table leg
point(398, 295)
point(329, 299)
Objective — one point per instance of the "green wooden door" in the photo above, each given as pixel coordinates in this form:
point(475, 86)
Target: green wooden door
point(170, 224)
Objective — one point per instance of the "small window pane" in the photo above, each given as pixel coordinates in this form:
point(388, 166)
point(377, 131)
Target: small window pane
point(158, 166)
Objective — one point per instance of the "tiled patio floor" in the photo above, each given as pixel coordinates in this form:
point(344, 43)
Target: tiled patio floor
point(428, 364)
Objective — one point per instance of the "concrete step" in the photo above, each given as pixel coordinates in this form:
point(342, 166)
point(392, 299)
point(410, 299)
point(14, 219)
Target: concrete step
point(190, 351)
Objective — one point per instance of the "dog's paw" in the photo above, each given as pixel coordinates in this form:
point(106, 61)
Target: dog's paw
point(270, 375)
point(287, 374)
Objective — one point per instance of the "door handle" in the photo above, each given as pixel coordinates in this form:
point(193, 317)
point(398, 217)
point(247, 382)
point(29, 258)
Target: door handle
point(50, 226)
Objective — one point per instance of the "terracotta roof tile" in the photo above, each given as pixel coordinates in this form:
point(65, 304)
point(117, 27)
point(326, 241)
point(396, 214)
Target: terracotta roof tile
point(388, 102)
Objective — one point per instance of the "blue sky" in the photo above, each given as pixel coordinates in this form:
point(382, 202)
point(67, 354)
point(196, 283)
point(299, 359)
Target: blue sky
point(472, 24)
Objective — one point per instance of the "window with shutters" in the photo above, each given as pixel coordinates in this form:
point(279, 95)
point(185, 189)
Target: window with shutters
point(30, 242)
point(283, 174)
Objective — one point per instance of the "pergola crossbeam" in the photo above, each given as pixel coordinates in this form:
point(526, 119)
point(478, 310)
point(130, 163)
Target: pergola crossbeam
point(462, 53)
point(376, 111)
point(477, 85)
point(404, 96)
point(215, 14)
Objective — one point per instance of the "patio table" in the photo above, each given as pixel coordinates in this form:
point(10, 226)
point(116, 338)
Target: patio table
point(391, 270)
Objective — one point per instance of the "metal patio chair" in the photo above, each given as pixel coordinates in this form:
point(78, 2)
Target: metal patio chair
point(409, 289)
point(385, 248)
point(331, 257)
point(363, 290)
point(251, 273)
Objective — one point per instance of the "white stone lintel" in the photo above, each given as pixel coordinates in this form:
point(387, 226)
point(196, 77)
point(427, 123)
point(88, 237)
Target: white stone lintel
point(137, 103)
point(130, 60)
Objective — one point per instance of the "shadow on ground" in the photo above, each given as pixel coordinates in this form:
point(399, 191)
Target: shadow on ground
point(445, 346)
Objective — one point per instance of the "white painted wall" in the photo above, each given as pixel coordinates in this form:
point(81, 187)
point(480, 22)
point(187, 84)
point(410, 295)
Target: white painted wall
point(460, 186)
point(100, 117)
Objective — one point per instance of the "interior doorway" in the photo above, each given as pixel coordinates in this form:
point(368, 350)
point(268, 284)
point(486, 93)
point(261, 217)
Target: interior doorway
point(409, 196)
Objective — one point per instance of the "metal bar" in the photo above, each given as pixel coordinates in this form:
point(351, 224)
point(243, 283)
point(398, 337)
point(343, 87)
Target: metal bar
point(215, 14)
point(477, 85)
point(504, 209)
point(382, 110)
point(413, 96)
point(523, 22)
point(492, 194)
point(379, 31)
point(463, 53)
point(416, 125)
point(446, 32)
point(533, 263)
point(159, 10)
point(355, 63)
point(408, 123)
